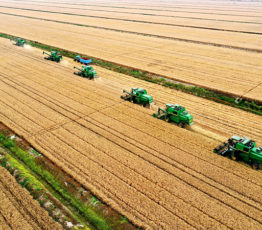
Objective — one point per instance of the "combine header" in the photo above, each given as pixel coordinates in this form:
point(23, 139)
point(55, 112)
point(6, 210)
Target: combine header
point(87, 72)
point(54, 56)
point(139, 96)
point(176, 114)
point(241, 148)
point(83, 60)
point(19, 41)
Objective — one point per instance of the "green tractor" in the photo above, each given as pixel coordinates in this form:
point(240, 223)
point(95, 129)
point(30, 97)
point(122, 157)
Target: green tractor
point(138, 96)
point(241, 148)
point(53, 56)
point(19, 41)
point(87, 72)
point(176, 114)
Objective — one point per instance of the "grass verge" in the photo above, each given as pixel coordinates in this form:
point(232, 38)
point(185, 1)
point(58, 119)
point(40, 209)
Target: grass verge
point(34, 177)
point(219, 97)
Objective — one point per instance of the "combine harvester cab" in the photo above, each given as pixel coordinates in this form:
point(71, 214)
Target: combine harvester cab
point(85, 61)
point(86, 72)
point(19, 41)
point(53, 56)
point(175, 113)
point(241, 148)
point(138, 96)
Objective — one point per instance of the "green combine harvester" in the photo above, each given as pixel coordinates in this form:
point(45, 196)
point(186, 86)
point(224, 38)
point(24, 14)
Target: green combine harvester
point(241, 148)
point(19, 41)
point(138, 96)
point(176, 114)
point(86, 71)
point(53, 56)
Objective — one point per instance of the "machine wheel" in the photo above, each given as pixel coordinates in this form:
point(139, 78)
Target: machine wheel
point(234, 156)
point(181, 125)
point(255, 165)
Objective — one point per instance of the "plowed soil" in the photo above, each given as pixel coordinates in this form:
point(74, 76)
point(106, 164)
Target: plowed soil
point(179, 41)
point(158, 175)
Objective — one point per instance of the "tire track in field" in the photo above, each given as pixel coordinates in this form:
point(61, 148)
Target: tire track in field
point(141, 34)
point(137, 21)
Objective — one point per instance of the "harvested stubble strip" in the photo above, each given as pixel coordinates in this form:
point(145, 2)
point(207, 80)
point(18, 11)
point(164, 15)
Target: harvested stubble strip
point(209, 114)
point(10, 114)
point(169, 166)
point(38, 96)
point(160, 140)
point(224, 118)
point(32, 213)
point(128, 194)
point(20, 105)
point(48, 116)
point(172, 130)
point(151, 178)
point(66, 94)
point(95, 187)
point(109, 155)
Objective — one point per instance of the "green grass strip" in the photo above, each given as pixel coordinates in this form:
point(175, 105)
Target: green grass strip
point(30, 179)
point(30, 161)
point(247, 105)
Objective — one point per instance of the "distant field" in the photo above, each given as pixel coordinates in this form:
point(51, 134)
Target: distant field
point(177, 40)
